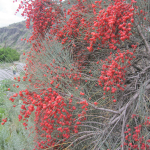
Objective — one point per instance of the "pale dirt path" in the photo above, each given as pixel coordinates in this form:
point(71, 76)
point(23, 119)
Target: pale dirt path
point(8, 74)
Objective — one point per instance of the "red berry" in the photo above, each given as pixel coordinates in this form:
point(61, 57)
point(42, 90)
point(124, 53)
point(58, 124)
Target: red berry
point(114, 100)
point(95, 103)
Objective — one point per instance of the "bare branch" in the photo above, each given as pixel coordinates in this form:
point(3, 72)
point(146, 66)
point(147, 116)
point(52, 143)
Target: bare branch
point(144, 39)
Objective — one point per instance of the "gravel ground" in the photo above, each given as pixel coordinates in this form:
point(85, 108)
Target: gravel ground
point(7, 72)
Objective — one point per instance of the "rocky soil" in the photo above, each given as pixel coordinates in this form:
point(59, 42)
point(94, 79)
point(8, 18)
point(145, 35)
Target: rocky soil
point(6, 73)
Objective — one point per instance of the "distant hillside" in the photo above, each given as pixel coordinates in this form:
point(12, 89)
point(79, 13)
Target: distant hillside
point(11, 36)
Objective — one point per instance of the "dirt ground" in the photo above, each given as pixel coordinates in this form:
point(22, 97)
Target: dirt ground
point(6, 70)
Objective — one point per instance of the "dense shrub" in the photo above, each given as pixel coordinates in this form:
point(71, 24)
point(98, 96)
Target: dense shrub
point(9, 55)
point(86, 74)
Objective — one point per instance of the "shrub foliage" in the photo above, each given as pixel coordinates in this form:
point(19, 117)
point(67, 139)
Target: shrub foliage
point(87, 74)
point(9, 55)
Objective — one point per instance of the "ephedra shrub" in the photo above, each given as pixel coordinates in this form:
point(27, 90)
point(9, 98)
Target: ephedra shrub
point(87, 72)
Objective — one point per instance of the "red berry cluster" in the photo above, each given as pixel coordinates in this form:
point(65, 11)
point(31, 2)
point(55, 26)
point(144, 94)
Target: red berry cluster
point(54, 115)
point(4, 121)
point(106, 26)
point(89, 25)
point(134, 139)
point(114, 70)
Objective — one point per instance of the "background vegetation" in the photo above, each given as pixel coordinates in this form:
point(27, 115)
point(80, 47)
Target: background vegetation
point(8, 55)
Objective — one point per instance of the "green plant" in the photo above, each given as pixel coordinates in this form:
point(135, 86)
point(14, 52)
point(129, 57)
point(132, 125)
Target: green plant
point(9, 55)
point(2, 112)
point(13, 135)
point(5, 84)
